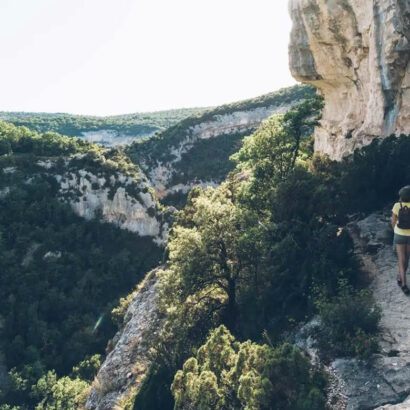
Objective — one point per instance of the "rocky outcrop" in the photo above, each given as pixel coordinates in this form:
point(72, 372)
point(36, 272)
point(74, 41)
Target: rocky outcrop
point(110, 197)
point(402, 406)
point(113, 138)
point(124, 200)
point(357, 53)
point(123, 370)
point(383, 381)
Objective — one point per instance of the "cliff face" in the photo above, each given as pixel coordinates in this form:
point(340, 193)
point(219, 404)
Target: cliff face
point(113, 138)
point(196, 151)
point(123, 370)
point(356, 52)
point(120, 199)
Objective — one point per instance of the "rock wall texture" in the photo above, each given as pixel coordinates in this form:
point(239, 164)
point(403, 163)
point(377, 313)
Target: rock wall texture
point(112, 138)
point(357, 53)
point(116, 206)
point(117, 198)
point(123, 370)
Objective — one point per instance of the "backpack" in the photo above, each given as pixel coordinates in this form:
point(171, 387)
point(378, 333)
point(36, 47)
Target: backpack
point(404, 217)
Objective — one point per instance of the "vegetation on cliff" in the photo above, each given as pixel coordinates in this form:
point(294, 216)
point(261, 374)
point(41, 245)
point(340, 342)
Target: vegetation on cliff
point(261, 253)
point(228, 374)
point(207, 159)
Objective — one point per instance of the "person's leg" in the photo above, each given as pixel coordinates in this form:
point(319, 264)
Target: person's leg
point(407, 257)
point(402, 257)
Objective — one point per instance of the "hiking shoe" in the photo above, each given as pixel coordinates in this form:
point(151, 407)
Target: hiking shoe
point(405, 289)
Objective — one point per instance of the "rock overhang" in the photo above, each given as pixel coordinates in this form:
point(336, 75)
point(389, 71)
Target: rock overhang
point(357, 53)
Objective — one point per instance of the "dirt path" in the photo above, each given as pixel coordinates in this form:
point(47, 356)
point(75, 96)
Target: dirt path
point(385, 383)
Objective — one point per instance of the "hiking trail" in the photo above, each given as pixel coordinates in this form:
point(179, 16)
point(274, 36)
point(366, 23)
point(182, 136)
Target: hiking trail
point(384, 383)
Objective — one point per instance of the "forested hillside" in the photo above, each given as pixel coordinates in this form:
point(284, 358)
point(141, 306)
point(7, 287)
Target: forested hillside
point(61, 275)
point(110, 130)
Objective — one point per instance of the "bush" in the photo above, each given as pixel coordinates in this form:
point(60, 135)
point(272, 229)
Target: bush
point(368, 179)
point(226, 374)
point(349, 324)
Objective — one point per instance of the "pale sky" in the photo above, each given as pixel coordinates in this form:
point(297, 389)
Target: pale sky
point(107, 57)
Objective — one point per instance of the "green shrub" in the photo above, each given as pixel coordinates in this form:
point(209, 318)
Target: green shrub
point(349, 323)
point(369, 178)
point(226, 374)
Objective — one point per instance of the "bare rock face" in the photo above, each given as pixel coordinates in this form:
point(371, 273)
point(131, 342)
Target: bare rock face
point(356, 52)
point(123, 200)
point(128, 210)
point(123, 370)
point(112, 138)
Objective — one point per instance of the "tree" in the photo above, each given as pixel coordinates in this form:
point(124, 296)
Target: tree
point(208, 251)
point(226, 374)
point(57, 394)
point(273, 151)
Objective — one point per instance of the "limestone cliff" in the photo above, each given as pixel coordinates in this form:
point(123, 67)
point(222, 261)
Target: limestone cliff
point(357, 53)
point(243, 122)
point(123, 370)
point(124, 200)
point(113, 138)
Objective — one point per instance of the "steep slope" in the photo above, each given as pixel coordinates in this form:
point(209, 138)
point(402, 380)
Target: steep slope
point(382, 382)
point(107, 131)
point(121, 375)
point(293, 252)
point(196, 151)
point(357, 53)
point(213, 238)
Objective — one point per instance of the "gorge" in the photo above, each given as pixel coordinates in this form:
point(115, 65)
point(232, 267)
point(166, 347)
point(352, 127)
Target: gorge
point(232, 258)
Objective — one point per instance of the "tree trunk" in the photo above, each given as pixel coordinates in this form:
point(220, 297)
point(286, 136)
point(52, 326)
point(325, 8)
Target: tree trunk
point(232, 312)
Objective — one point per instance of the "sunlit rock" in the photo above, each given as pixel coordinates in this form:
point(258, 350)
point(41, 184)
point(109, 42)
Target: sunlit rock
point(356, 52)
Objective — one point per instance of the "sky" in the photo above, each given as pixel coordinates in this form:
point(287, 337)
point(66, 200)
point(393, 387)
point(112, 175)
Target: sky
point(107, 57)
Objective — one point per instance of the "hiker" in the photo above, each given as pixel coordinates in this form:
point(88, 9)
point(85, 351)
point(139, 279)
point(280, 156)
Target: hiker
point(401, 225)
